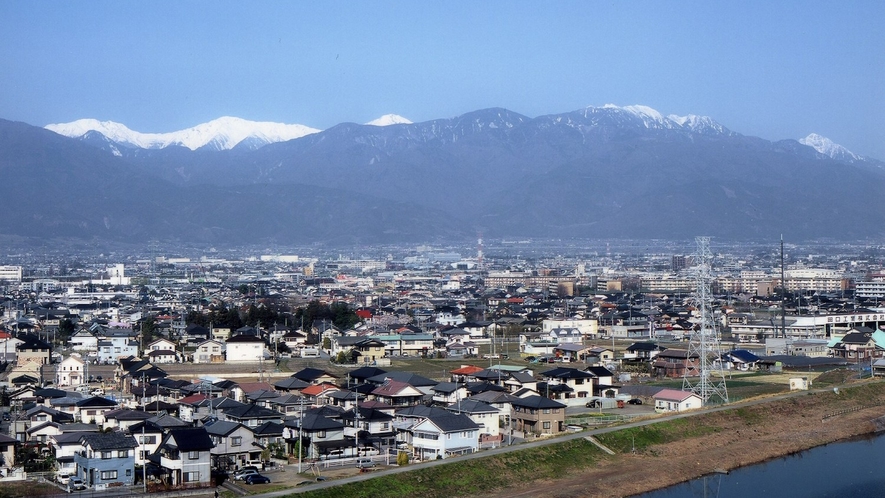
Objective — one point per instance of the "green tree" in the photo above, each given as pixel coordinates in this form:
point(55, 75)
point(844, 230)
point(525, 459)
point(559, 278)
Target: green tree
point(341, 358)
point(65, 329)
point(148, 329)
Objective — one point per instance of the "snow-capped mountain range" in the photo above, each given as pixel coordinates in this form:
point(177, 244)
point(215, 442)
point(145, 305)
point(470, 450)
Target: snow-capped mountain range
point(220, 134)
point(229, 132)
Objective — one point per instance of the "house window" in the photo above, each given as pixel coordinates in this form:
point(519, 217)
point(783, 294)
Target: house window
point(321, 434)
point(147, 439)
point(106, 455)
point(236, 441)
point(546, 425)
point(191, 476)
point(546, 410)
point(122, 453)
point(128, 472)
point(193, 455)
point(108, 474)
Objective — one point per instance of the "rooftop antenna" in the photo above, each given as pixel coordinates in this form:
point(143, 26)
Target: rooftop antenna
point(704, 341)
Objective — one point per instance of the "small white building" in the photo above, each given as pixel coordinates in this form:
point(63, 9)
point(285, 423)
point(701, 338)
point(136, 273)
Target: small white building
point(673, 400)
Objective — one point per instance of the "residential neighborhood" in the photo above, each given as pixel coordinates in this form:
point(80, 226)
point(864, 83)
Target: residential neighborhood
point(181, 382)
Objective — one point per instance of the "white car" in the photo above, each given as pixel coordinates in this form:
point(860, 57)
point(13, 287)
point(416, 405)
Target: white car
point(63, 478)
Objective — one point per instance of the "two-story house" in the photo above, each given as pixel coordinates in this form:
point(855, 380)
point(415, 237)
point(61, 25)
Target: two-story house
point(211, 351)
point(566, 383)
point(443, 434)
point(185, 457)
point(106, 459)
point(70, 372)
point(245, 348)
point(538, 415)
point(233, 444)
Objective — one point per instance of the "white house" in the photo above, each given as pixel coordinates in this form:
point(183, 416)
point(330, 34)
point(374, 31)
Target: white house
point(70, 372)
point(673, 400)
point(245, 348)
point(84, 342)
point(444, 435)
point(210, 351)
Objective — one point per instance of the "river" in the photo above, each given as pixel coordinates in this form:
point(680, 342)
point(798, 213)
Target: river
point(845, 469)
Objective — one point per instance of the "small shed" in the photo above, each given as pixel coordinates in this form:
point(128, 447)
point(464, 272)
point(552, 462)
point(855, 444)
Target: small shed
point(799, 383)
point(879, 368)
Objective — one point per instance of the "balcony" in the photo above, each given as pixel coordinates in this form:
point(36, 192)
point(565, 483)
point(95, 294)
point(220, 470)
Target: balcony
point(169, 463)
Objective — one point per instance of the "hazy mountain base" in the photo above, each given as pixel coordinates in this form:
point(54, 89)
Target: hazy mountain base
point(666, 453)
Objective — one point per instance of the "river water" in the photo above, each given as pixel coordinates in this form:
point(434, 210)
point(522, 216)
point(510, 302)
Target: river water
point(854, 469)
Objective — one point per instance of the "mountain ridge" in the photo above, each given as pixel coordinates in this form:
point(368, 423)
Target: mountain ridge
point(597, 171)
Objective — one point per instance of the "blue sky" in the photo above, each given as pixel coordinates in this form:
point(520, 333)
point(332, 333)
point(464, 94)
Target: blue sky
point(772, 69)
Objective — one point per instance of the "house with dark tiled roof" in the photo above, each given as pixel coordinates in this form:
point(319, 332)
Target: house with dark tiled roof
point(252, 415)
point(449, 392)
point(106, 459)
point(538, 415)
point(321, 435)
point(676, 363)
point(92, 410)
point(443, 434)
point(234, 444)
point(184, 457)
point(268, 433)
point(396, 393)
point(369, 426)
point(315, 376)
point(483, 415)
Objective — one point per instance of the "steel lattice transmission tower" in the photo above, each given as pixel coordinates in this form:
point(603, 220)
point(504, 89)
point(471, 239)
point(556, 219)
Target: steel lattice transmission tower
point(705, 338)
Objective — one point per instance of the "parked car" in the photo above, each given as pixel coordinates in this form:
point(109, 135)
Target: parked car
point(242, 474)
point(6, 416)
point(63, 478)
point(530, 359)
point(634, 401)
point(256, 479)
point(76, 484)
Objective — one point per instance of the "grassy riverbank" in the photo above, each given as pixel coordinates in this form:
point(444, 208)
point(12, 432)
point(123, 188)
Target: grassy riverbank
point(647, 457)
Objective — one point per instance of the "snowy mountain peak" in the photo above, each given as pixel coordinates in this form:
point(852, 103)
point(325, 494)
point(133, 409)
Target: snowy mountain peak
point(829, 148)
point(389, 119)
point(651, 118)
point(220, 134)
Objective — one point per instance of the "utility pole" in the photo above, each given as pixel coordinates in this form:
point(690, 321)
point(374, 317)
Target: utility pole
point(300, 440)
point(143, 452)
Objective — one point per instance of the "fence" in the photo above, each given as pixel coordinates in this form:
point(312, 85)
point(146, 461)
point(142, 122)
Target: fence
point(594, 421)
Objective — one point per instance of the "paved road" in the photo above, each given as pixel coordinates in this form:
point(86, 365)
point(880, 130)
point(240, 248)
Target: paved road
point(533, 444)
